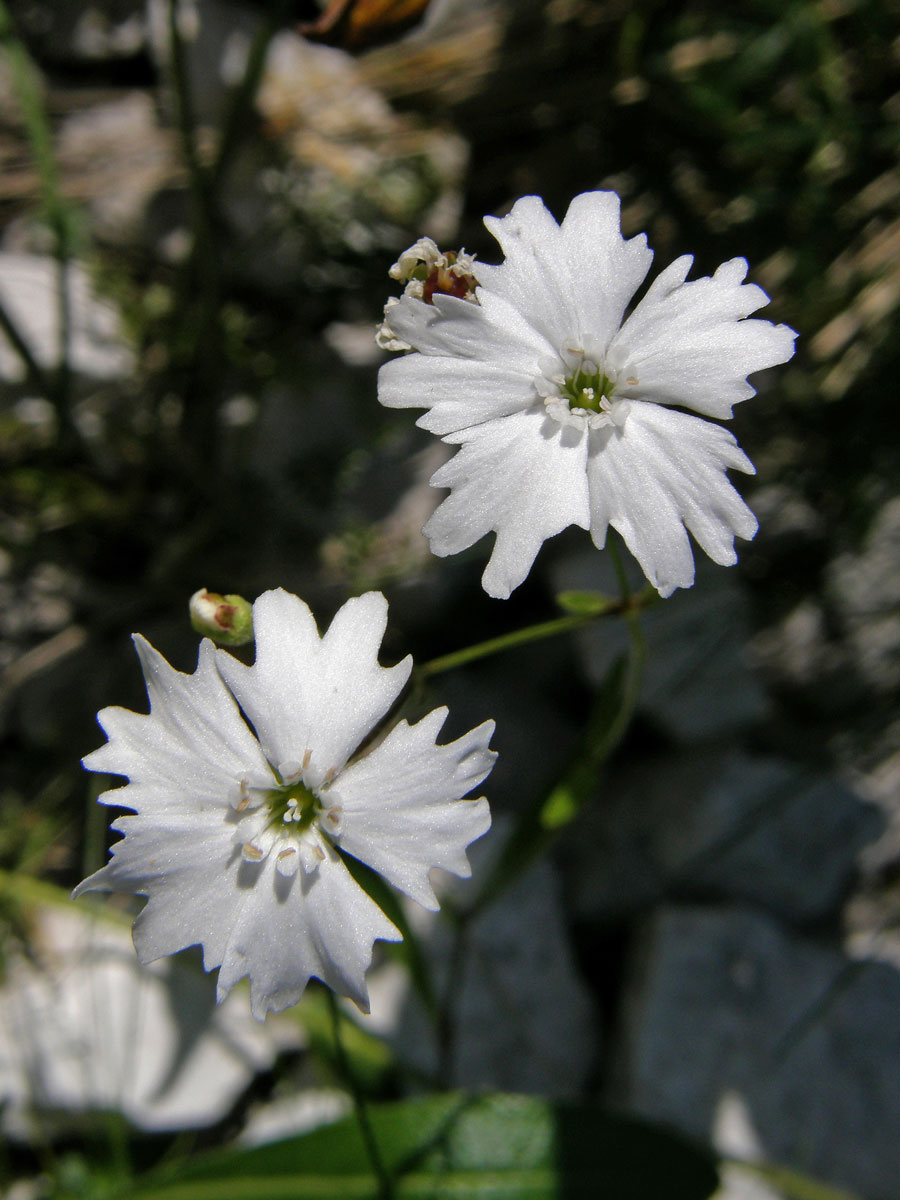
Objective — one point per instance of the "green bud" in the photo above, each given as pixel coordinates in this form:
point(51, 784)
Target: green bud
point(228, 620)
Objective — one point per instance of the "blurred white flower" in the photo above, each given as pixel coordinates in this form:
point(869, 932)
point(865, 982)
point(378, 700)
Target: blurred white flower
point(567, 411)
point(244, 788)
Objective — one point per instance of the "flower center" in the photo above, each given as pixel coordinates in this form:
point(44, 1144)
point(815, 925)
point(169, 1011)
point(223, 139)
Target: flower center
point(586, 387)
point(293, 805)
point(292, 821)
point(579, 386)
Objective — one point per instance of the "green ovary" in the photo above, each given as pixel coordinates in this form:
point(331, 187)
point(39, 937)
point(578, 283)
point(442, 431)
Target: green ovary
point(292, 807)
point(584, 390)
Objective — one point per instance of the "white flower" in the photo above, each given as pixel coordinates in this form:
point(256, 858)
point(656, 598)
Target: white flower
point(245, 787)
point(568, 414)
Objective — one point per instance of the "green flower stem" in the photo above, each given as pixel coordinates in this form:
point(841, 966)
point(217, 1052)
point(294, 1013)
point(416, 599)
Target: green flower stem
point(615, 555)
point(200, 194)
point(385, 1187)
point(242, 97)
point(539, 826)
point(56, 213)
point(449, 1006)
point(33, 370)
point(533, 633)
point(613, 710)
point(198, 364)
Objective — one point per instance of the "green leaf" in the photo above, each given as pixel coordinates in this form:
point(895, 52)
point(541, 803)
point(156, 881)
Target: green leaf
point(493, 1147)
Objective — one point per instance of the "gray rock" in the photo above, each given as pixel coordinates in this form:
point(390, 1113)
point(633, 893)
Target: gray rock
point(865, 588)
point(97, 345)
point(116, 156)
point(724, 826)
point(726, 1003)
point(799, 653)
point(83, 30)
point(523, 1018)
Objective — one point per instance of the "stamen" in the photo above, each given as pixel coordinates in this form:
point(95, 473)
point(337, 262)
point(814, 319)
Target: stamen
point(287, 862)
point(251, 853)
point(334, 817)
point(311, 855)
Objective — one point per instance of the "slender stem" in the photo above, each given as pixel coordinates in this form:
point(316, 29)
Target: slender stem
point(55, 210)
point(199, 365)
point(447, 1025)
point(539, 826)
point(619, 567)
point(533, 633)
point(187, 129)
point(64, 313)
point(385, 1187)
point(243, 95)
point(33, 369)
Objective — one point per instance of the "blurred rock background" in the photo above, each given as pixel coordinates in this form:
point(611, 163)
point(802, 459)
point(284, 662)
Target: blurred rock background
point(219, 212)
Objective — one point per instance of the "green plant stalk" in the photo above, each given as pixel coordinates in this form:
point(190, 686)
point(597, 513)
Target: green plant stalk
point(385, 1187)
point(409, 950)
point(447, 1025)
point(199, 184)
point(532, 633)
point(244, 94)
point(33, 370)
point(197, 445)
point(56, 214)
point(538, 827)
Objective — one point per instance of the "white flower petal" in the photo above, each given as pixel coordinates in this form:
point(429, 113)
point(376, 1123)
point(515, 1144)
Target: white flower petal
point(692, 344)
point(194, 742)
point(182, 862)
point(251, 919)
point(606, 270)
point(304, 692)
point(660, 472)
point(577, 278)
point(493, 331)
point(284, 931)
point(402, 806)
point(248, 918)
point(458, 391)
point(521, 476)
point(534, 277)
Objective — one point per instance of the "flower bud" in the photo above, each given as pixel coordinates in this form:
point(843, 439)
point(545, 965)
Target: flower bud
point(228, 620)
